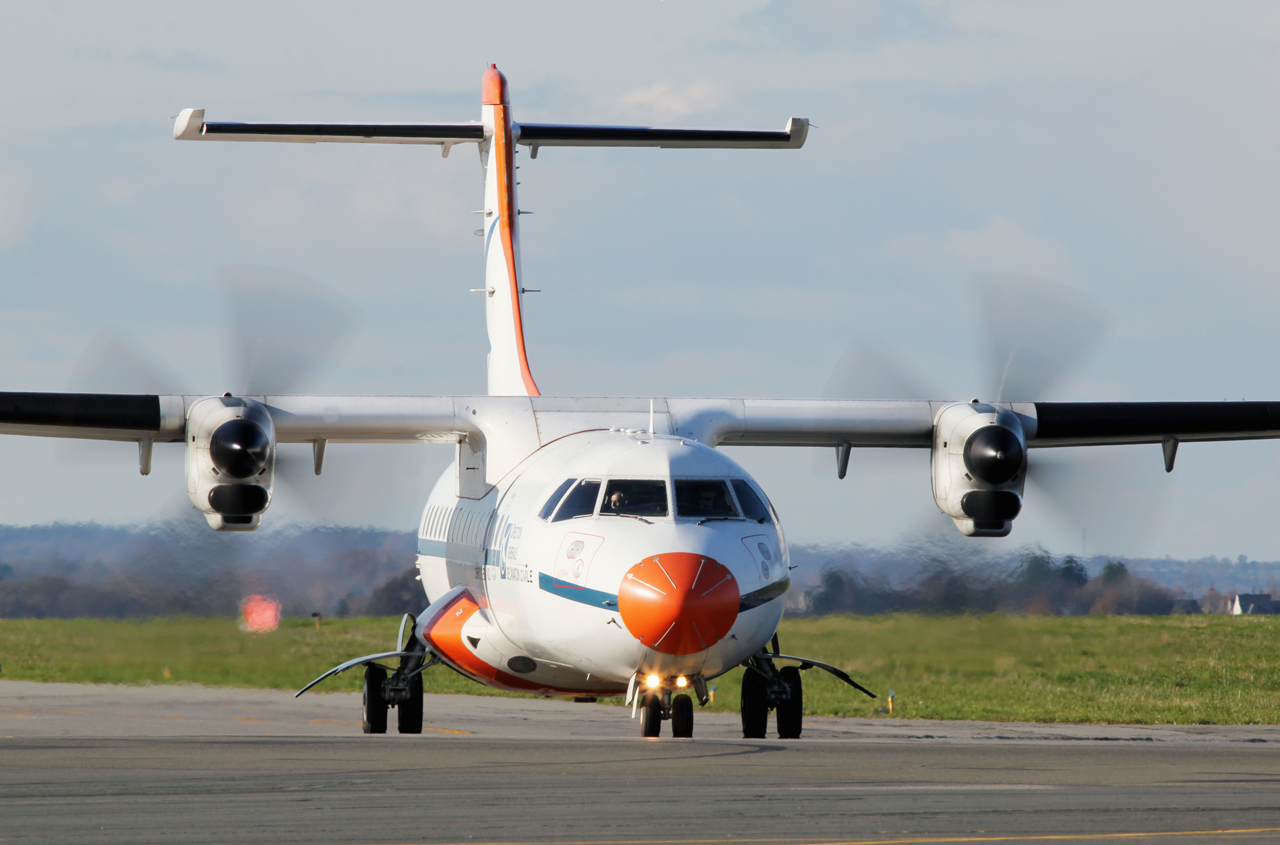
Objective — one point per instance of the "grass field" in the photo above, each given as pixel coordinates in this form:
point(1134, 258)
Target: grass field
point(1172, 670)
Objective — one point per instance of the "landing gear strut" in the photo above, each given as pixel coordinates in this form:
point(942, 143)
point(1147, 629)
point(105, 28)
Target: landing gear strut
point(402, 689)
point(766, 688)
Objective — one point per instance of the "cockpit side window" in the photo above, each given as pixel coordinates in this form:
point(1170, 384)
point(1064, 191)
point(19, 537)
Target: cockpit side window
point(625, 497)
point(581, 501)
point(704, 499)
point(550, 506)
point(751, 504)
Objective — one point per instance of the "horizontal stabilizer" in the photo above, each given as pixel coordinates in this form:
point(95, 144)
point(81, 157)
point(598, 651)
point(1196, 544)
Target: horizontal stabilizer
point(191, 126)
point(562, 135)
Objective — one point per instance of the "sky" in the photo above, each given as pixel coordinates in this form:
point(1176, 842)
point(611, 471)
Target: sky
point(1126, 150)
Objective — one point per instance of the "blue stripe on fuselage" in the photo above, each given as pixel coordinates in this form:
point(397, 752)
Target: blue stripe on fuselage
point(572, 592)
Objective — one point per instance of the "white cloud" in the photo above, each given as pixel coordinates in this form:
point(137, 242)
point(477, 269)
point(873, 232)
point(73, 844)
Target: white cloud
point(1000, 246)
point(664, 101)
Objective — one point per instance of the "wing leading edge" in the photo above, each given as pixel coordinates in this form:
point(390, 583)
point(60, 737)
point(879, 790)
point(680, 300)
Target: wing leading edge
point(735, 422)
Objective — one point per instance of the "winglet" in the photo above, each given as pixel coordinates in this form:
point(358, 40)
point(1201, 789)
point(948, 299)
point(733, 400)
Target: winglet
point(798, 129)
point(189, 126)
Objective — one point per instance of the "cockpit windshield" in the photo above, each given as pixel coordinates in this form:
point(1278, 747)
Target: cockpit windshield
point(752, 507)
point(704, 499)
point(550, 507)
point(624, 497)
point(581, 501)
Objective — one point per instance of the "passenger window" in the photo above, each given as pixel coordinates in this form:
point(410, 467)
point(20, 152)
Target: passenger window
point(634, 498)
point(581, 501)
point(751, 504)
point(550, 507)
point(704, 499)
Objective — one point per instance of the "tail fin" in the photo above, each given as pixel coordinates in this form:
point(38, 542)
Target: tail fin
point(509, 373)
point(498, 135)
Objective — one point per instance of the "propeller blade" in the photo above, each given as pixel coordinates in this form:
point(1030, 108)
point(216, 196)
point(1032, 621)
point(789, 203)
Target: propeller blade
point(866, 371)
point(1034, 330)
point(284, 326)
point(111, 364)
point(1070, 480)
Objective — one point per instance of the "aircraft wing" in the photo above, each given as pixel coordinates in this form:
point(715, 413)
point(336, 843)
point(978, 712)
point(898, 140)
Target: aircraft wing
point(562, 135)
point(734, 422)
point(191, 126)
point(818, 422)
point(297, 419)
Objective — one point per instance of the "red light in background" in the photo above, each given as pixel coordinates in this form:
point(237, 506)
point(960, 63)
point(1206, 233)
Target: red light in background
point(259, 614)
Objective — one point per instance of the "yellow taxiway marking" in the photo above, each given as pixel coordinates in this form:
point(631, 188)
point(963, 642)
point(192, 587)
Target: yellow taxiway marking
point(247, 719)
point(1055, 837)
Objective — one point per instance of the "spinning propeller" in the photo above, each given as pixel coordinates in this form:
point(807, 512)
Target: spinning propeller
point(282, 329)
point(1031, 333)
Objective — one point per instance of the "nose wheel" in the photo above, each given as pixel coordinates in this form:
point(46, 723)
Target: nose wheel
point(653, 712)
point(682, 716)
point(651, 716)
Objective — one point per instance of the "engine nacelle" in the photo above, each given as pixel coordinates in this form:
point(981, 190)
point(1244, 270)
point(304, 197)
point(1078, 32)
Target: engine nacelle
point(979, 467)
point(231, 458)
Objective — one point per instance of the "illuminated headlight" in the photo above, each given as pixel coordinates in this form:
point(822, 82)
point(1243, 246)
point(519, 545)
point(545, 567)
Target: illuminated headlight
point(653, 681)
point(682, 682)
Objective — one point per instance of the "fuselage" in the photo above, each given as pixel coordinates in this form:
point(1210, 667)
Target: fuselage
point(605, 555)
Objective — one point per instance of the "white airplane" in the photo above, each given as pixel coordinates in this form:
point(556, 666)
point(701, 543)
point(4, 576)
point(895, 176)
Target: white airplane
point(586, 546)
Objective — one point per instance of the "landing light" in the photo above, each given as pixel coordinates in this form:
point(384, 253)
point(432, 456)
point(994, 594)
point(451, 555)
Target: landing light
point(653, 681)
point(682, 682)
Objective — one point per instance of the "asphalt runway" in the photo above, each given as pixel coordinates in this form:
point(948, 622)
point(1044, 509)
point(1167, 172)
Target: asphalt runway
point(98, 764)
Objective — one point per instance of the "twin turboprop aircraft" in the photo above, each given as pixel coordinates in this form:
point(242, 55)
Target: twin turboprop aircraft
point(584, 546)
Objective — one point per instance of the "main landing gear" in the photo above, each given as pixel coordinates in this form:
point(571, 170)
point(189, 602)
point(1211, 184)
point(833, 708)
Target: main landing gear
point(401, 689)
point(765, 688)
point(385, 688)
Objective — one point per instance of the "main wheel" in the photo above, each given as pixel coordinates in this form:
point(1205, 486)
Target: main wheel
point(409, 713)
point(375, 706)
point(755, 705)
point(791, 712)
point(650, 716)
point(682, 716)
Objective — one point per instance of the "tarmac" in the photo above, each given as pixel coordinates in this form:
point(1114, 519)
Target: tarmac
point(115, 764)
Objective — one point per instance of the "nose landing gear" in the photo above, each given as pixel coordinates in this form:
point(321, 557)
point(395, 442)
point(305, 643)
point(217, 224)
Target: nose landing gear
point(656, 708)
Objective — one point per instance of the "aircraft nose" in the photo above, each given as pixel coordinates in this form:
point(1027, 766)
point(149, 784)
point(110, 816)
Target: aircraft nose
point(678, 603)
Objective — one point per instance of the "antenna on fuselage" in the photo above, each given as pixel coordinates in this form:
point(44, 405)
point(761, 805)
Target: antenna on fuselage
point(651, 431)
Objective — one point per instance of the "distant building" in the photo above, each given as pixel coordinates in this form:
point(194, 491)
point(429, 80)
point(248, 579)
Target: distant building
point(1252, 604)
point(1185, 606)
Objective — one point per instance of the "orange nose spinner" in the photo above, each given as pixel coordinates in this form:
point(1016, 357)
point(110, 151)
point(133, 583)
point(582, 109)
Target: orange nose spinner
point(678, 603)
